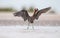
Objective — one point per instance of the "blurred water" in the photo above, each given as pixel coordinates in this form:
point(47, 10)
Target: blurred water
point(20, 31)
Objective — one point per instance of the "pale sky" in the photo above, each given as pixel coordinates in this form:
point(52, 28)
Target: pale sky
point(55, 4)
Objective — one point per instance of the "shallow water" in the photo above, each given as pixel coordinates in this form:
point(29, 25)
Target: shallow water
point(21, 32)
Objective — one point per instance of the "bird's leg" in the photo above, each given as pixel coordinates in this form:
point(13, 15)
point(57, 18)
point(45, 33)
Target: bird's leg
point(32, 26)
point(28, 25)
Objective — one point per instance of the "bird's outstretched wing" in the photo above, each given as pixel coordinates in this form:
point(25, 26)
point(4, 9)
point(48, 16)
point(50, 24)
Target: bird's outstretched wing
point(39, 12)
point(23, 14)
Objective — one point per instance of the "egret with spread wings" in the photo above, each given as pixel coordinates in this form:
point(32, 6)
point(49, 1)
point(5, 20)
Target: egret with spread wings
point(24, 14)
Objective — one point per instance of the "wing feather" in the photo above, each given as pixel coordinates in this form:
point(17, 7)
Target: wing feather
point(23, 14)
point(42, 11)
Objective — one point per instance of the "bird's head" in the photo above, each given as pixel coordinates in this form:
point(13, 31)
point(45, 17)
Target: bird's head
point(35, 10)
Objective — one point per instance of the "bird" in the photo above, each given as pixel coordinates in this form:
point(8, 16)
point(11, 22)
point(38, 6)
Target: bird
point(24, 14)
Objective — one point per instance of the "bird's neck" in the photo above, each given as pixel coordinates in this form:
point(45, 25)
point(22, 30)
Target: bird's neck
point(35, 12)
